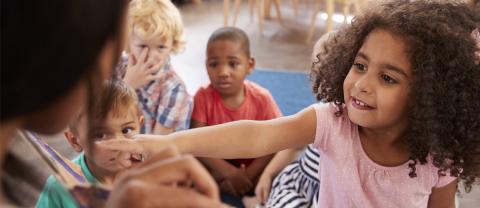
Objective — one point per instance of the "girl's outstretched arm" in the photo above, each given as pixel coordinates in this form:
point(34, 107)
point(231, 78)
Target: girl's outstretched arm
point(240, 139)
point(249, 139)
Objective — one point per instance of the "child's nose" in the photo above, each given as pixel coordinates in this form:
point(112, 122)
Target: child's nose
point(224, 71)
point(364, 84)
point(154, 55)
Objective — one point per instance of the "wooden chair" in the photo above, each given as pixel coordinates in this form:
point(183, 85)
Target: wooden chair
point(330, 4)
point(261, 7)
point(296, 5)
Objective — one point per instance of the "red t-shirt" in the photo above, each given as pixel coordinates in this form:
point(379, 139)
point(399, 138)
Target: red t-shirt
point(258, 104)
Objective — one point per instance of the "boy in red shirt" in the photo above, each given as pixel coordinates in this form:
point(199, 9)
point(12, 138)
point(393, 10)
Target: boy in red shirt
point(229, 97)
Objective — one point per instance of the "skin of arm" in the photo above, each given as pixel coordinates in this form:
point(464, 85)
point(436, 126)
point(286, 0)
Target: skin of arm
point(282, 159)
point(443, 197)
point(257, 166)
point(215, 165)
point(240, 139)
point(222, 171)
point(224, 168)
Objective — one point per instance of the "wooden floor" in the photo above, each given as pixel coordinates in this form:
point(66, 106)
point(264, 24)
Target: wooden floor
point(277, 48)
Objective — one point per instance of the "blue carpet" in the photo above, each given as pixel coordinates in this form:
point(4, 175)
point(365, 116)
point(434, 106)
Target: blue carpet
point(291, 90)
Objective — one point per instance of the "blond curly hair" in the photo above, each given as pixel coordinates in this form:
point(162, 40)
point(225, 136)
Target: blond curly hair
point(156, 19)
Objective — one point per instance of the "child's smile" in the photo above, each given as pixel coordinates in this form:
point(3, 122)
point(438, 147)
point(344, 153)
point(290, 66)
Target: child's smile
point(359, 104)
point(377, 86)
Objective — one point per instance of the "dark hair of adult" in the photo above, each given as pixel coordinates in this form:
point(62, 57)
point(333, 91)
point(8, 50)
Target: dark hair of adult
point(47, 47)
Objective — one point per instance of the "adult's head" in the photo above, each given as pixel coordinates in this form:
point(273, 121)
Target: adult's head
point(52, 54)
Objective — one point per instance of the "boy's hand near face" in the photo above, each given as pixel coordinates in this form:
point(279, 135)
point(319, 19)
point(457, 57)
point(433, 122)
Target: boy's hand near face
point(141, 70)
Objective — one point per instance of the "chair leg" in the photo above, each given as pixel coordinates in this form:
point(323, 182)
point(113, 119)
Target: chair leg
point(295, 8)
point(236, 10)
point(251, 6)
point(346, 11)
point(260, 15)
point(358, 5)
point(307, 3)
point(311, 31)
point(330, 8)
point(277, 9)
point(226, 7)
point(266, 7)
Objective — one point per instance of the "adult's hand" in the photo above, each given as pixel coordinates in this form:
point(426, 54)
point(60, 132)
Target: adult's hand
point(165, 180)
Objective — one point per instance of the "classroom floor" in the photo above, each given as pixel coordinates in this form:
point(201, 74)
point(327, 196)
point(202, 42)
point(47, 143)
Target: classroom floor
point(278, 48)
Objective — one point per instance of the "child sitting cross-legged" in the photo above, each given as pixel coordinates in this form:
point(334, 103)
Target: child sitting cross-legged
point(229, 97)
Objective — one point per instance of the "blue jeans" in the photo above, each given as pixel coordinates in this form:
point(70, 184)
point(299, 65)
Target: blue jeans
point(231, 200)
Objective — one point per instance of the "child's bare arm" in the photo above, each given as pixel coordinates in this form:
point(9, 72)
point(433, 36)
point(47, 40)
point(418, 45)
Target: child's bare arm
point(443, 197)
point(282, 159)
point(248, 139)
point(257, 166)
point(279, 161)
point(240, 139)
point(218, 165)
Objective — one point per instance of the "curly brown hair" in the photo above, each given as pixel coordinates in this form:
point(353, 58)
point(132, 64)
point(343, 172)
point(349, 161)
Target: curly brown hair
point(444, 115)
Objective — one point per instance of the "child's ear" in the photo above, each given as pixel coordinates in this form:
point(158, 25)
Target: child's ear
point(141, 120)
point(73, 141)
point(251, 65)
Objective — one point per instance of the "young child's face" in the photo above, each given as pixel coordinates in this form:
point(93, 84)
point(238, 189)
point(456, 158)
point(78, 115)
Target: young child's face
point(377, 86)
point(158, 48)
point(227, 66)
point(122, 125)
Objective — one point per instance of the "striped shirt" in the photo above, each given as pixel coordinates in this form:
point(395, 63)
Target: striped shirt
point(297, 185)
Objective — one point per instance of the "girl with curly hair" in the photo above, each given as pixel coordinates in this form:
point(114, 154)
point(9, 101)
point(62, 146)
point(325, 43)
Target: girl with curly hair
point(400, 125)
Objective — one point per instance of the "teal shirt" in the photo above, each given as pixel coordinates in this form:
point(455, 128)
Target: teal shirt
point(54, 195)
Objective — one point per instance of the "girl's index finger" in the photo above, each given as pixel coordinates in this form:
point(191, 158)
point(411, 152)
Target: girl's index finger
point(122, 145)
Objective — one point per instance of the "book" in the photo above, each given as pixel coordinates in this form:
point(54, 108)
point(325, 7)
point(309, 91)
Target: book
point(68, 174)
